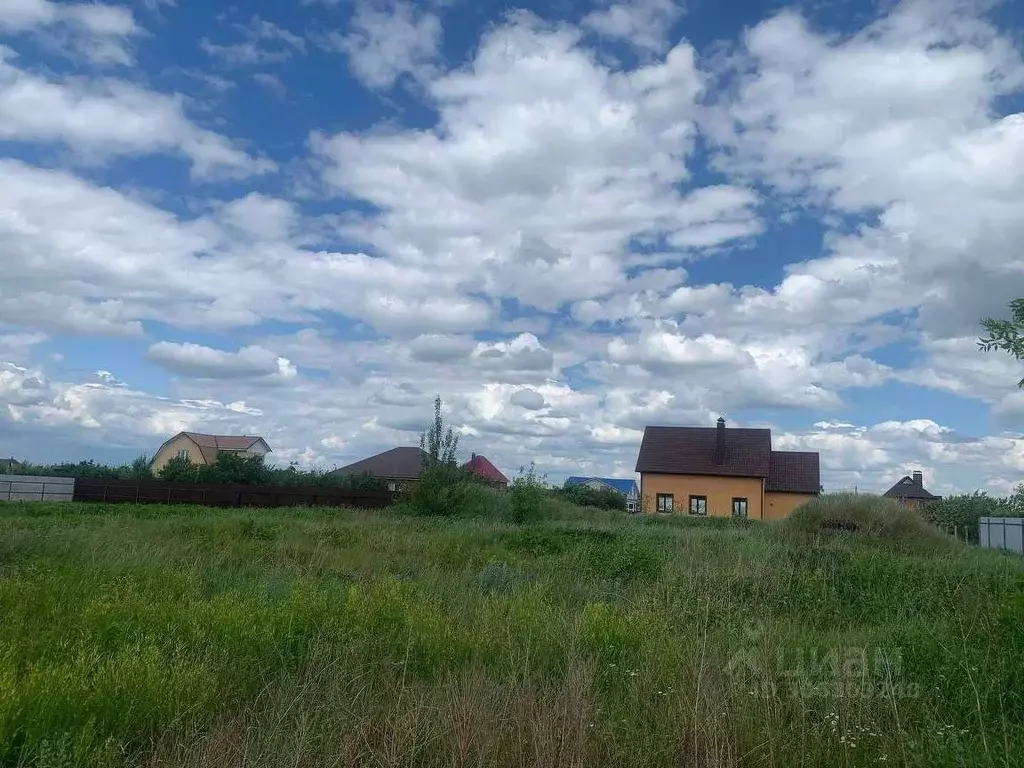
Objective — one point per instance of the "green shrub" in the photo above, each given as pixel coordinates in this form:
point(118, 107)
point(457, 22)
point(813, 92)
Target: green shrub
point(230, 467)
point(137, 469)
point(582, 496)
point(964, 510)
point(442, 490)
point(527, 495)
point(864, 515)
point(483, 500)
point(1015, 502)
point(179, 470)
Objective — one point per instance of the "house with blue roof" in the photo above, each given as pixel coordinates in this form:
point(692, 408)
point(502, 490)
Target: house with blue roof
point(626, 486)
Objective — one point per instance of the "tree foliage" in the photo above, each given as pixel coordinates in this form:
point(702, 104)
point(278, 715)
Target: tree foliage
point(965, 510)
point(138, 468)
point(439, 444)
point(1006, 335)
point(442, 488)
point(441, 491)
point(228, 468)
point(583, 496)
point(527, 494)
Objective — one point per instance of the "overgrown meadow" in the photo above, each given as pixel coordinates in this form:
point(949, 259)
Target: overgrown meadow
point(177, 636)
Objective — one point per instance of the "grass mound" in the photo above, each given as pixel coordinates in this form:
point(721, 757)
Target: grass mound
point(867, 516)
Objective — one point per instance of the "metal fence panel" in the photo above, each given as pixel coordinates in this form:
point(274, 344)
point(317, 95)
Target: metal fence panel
point(36, 488)
point(1002, 533)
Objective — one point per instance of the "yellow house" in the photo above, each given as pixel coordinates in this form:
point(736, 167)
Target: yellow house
point(722, 471)
point(202, 449)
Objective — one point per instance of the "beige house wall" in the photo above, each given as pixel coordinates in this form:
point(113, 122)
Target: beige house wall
point(195, 455)
point(720, 491)
point(780, 505)
point(170, 449)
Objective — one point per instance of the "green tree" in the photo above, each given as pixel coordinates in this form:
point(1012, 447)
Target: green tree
point(582, 496)
point(438, 443)
point(443, 486)
point(139, 469)
point(232, 467)
point(179, 470)
point(1006, 335)
point(527, 494)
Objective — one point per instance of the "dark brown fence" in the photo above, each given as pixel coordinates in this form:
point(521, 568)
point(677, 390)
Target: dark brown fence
point(217, 495)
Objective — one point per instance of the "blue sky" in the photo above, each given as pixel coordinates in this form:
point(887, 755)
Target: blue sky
point(569, 219)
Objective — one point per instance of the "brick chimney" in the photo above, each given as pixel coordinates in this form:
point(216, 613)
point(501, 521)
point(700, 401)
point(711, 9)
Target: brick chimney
point(919, 480)
point(719, 457)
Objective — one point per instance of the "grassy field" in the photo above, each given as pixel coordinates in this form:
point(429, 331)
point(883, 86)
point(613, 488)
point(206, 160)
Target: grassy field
point(156, 636)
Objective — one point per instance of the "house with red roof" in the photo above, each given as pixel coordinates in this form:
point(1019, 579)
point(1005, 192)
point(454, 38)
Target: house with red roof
point(485, 470)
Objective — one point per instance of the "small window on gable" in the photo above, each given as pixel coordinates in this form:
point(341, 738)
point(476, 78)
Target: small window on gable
point(183, 453)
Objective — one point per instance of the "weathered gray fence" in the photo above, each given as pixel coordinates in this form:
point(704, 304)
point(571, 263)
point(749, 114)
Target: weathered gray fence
point(1002, 533)
point(34, 488)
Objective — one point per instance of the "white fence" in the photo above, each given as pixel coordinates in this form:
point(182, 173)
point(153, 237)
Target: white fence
point(32, 488)
point(1002, 533)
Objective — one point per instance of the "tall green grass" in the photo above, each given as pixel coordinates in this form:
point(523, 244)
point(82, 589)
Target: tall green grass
point(160, 636)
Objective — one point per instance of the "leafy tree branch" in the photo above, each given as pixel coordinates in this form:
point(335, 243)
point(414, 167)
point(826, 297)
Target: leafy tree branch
point(1006, 335)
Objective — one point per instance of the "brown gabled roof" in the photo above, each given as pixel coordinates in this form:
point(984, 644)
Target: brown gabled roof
point(691, 451)
point(399, 463)
point(906, 488)
point(225, 442)
point(794, 472)
point(209, 444)
point(748, 453)
point(482, 467)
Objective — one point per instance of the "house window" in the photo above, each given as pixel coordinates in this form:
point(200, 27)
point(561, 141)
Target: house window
point(739, 507)
point(665, 502)
point(396, 487)
point(183, 454)
point(631, 506)
point(699, 505)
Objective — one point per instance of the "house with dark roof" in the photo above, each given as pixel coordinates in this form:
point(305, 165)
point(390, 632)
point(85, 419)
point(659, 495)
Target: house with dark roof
point(626, 486)
point(202, 449)
point(10, 466)
point(723, 471)
point(399, 467)
point(482, 467)
point(910, 491)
